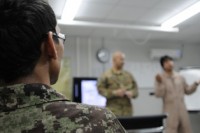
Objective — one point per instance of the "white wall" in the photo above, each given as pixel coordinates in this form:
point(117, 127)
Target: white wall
point(82, 53)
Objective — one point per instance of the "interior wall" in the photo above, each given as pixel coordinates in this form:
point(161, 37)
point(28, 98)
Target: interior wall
point(82, 54)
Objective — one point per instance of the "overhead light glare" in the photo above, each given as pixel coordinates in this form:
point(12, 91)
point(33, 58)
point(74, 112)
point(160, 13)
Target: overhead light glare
point(182, 16)
point(70, 10)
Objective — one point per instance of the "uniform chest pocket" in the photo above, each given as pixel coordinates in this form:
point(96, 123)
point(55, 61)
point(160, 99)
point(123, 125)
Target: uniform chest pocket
point(112, 82)
point(128, 81)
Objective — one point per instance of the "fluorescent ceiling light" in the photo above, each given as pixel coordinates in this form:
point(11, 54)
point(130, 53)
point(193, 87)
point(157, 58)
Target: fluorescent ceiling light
point(70, 10)
point(184, 15)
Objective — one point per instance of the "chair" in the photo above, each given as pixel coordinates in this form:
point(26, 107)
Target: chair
point(144, 124)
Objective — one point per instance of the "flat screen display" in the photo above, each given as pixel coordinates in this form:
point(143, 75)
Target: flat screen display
point(85, 91)
point(90, 94)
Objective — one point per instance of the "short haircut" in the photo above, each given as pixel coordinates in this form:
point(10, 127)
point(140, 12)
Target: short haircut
point(165, 58)
point(23, 26)
point(117, 53)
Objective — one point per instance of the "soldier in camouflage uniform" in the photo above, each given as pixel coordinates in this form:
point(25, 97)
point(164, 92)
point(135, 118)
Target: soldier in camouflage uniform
point(37, 108)
point(31, 50)
point(118, 86)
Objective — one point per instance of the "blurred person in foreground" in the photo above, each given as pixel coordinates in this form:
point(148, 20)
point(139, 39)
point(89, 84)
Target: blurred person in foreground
point(119, 87)
point(31, 49)
point(171, 87)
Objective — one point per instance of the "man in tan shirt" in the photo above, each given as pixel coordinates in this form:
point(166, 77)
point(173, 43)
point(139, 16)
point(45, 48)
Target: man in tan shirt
point(171, 87)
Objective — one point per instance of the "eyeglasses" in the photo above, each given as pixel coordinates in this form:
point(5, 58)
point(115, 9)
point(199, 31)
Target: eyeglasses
point(60, 35)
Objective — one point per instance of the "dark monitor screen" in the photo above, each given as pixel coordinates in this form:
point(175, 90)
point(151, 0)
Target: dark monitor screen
point(85, 91)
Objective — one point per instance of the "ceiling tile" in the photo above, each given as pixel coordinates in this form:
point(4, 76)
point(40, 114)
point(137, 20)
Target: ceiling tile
point(174, 4)
point(154, 16)
point(101, 1)
point(173, 7)
point(93, 10)
point(142, 12)
point(76, 30)
point(125, 13)
point(164, 10)
point(138, 3)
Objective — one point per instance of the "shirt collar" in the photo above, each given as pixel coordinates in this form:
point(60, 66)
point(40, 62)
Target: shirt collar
point(174, 75)
point(116, 72)
point(24, 95)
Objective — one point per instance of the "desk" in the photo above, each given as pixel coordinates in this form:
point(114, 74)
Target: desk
point(194, 111)
point(144, 124)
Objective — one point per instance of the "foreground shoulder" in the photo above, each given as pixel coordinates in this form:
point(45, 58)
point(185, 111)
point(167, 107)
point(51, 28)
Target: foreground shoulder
point(85, 118)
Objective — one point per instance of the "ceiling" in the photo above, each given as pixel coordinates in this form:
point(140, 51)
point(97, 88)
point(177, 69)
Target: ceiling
point(132, 12)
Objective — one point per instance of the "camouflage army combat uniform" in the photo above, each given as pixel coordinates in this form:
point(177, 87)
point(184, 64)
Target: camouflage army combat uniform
point(111, 81)
point(37, 108)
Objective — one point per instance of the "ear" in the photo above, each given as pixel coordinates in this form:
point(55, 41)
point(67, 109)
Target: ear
point(50, 47)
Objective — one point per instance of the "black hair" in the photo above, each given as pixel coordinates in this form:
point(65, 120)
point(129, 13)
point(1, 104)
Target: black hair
point(165, 58)
point(23, 25)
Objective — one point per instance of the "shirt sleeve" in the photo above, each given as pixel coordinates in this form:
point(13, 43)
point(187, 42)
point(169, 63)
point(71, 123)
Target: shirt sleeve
point(113, 124)
point(103, 87)
point(160, 89)
point(189, 89)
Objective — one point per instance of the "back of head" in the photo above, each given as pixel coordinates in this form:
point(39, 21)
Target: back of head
point(23, 26)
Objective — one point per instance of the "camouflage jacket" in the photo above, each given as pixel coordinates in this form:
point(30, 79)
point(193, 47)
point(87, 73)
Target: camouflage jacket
point(37, 108)
point(111, 81)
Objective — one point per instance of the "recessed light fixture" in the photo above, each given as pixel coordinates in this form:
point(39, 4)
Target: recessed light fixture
point(70, 10)
point(182, 16)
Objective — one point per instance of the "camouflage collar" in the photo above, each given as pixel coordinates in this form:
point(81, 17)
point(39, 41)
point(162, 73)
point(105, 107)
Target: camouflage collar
point(26, 95)
point(116, 72)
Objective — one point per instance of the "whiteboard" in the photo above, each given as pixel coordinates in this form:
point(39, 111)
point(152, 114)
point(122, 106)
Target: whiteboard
point(144, 72)
point(192, 101)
